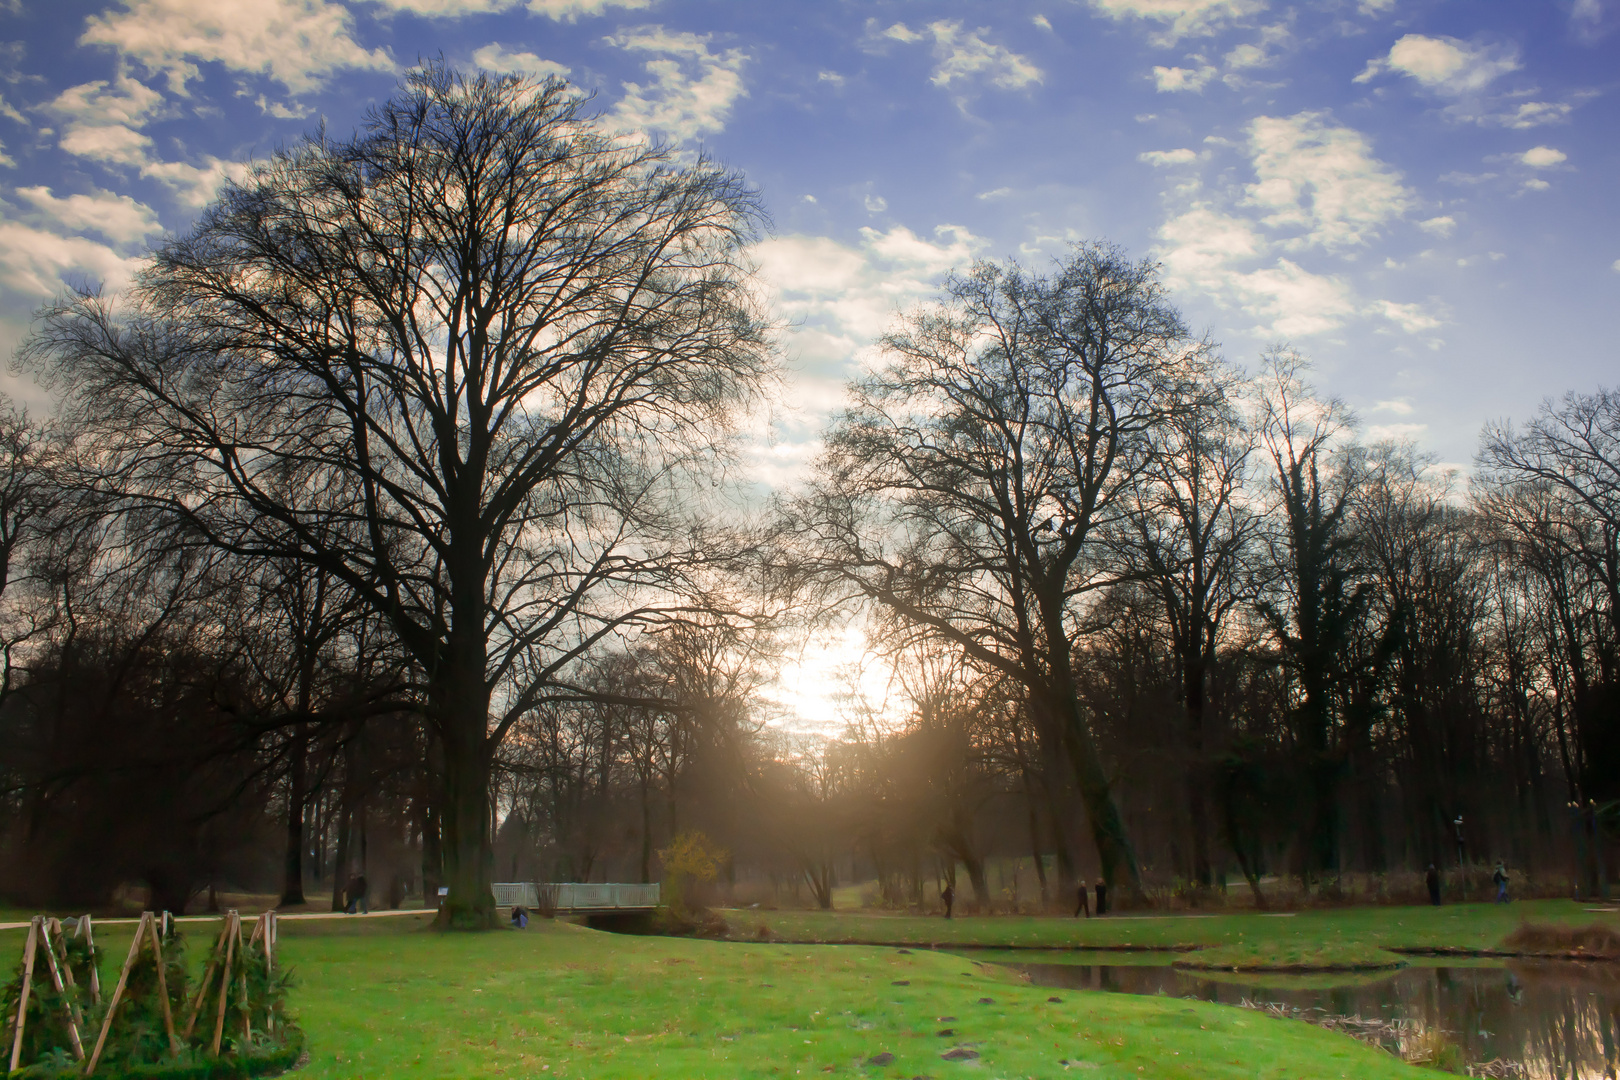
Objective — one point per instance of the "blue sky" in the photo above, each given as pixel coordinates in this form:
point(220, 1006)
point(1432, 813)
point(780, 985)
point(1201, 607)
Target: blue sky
point(1420, 194)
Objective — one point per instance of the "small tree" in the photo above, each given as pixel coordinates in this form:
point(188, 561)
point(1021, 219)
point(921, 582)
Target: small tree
point(688, 859)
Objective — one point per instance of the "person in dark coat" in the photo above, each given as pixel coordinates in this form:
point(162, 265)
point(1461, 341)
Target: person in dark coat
point(1102, 897)
point(1500, 880)
point(1081, 901)
point(520, 918)
point(1431, 878)
point(949, 896)
point(357, 895)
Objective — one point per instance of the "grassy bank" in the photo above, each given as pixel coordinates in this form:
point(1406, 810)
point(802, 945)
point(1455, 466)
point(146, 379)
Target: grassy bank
point(1457, 926)
point(391, 998)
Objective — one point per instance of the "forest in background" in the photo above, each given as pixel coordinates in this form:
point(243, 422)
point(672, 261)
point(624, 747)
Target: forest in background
point(287, 595)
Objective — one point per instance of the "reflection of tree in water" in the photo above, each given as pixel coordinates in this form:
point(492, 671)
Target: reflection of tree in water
point(1557, 1020)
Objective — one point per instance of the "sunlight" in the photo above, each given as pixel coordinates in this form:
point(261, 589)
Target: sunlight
point(830, 680)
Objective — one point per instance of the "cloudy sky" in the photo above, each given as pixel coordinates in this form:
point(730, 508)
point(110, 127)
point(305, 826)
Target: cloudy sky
point(1420, 194)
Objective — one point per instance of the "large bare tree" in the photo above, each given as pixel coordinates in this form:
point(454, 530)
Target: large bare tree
point(466, 363)
point(966, 488)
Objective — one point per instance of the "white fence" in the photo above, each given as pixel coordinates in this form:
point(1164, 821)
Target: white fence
point(575, 896)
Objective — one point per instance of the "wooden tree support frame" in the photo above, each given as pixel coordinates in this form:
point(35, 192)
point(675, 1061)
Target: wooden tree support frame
point(22, 998)
point(146, 932)
point(229, 958)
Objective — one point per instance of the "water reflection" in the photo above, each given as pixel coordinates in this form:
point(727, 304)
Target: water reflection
point(1556, 1021)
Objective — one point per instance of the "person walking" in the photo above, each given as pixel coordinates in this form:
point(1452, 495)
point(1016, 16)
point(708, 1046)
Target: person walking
point(357, 896)
point(1102, 897)
point(1082, 901)
point(1431, 878)
point(949, 896)
point(1500, 880)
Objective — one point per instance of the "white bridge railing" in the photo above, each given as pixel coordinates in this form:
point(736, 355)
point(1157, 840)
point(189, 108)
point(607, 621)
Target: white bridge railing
point(575, 896)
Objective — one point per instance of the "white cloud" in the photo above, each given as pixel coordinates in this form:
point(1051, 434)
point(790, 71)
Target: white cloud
point(1181, 156)
point(1322, 179)
point(1376, 7)
point(692, 91)
point(1292, 301)
point(838, 299)
point(100, 120)
point(964, 57)
point(1258, 54)
point(1543, 157)
point(1041, 21)
point(447, 9)
point(1615, 266)
point(1181, 18)
point(844, 297)
point(1395, 432)
point(36, 262)
point(1201, 246)
point(1535, 185)
point(296, 42)
point(1445, 64)
point(875, 204)
point(1531, 114)
point(9, 111)
point(1409, 317)
point(1169, 79)
point(1398, 406)
point(119, 218)
point(572, 10)
point(1441, 226)
point(194, 185)
point(283, 112)
point(494, 57)
point(994, 193)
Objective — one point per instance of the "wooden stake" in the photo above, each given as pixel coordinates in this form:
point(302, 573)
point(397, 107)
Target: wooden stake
point(208, 977)
point(55, 926)
point(56, 981)
point(22, 1003)
point(163, 987)
point(231, 923)
point(269, 970)
point(118, 992)
point(88, 932)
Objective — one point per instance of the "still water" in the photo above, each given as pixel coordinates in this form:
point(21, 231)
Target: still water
point(1541, 1020)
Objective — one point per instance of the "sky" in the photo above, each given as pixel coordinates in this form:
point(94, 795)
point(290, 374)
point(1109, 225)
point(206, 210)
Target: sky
point(1420, 195)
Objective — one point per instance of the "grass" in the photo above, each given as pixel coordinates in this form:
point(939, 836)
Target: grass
point(1296, 955)
point(1455, 926)
point(392, 998)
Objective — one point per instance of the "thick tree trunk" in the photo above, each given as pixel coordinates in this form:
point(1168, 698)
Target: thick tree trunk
point(468, 856)
point(292, 867)
point(1114, 853)
point(1193, 687)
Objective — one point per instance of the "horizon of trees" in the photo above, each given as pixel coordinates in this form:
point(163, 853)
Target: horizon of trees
point(386, 528)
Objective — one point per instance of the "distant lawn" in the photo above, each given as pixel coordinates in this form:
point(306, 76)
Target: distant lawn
point(391, 998)
point(1462, 926)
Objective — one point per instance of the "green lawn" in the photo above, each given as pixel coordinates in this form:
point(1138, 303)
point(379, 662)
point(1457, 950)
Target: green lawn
point(1467, 926)
point(392, 998)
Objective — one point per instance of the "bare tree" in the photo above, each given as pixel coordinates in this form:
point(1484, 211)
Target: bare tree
point(1192, 533)
point(464, 362)
point(965, 489)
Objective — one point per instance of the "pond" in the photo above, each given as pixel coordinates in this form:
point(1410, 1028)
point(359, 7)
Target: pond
point(1540, 1020)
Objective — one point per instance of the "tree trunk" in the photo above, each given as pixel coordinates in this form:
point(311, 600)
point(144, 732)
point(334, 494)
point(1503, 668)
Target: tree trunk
point(1114, 851)
point(467, 854)
point(1193, 687)
point(292, 867)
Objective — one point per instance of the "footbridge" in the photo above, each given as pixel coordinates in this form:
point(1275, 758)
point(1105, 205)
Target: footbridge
point(576, 897)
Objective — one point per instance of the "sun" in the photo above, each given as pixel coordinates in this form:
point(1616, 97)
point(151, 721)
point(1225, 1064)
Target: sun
point(830, 680)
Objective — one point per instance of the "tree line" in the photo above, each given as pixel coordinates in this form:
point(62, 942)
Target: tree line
point(390, 523)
